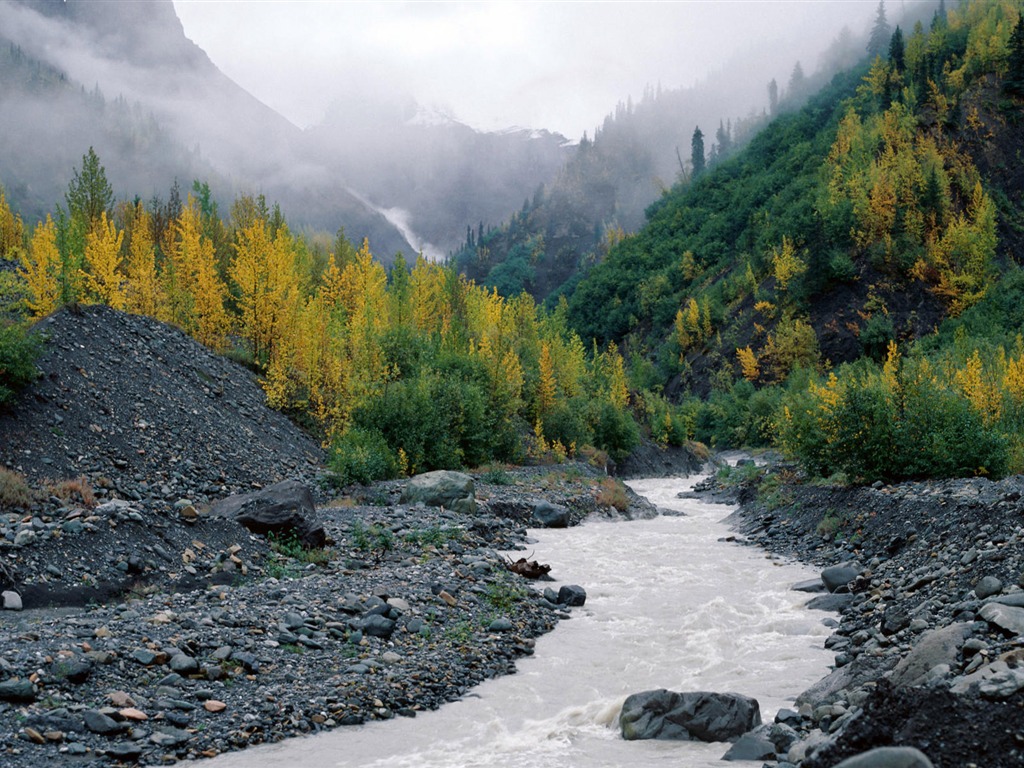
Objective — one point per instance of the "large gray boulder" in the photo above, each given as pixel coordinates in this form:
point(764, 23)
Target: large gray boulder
point(548, 515)
point(836, 577)
point(284, 509)
point(688, 716)
point(888, 757)
point(443, 488)
point(935, 647)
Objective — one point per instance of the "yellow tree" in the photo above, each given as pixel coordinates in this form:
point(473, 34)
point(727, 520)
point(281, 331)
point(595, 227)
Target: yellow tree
point(547, 384)
point(198, 303)
point(12, 231)
point(250, 273)
point(144, 296)
point(103, 258)
point(40, 269)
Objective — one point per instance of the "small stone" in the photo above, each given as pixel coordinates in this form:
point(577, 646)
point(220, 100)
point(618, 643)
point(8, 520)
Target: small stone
point(447, 598)
point(35, 736)
point(97, 722)
point(131, 713)
point(213, 705)
point(11, 600)
point(988, 586)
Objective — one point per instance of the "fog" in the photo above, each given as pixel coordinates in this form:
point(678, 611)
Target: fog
point(393, 120)
point(555, 65)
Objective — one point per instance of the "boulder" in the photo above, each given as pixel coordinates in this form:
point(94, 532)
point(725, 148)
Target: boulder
point(836, 577)
point(688, 716)
point(763, 743)
point(888, 757)
point(10, 600)
point(936, 647)
point(548, 515)
point(443, 488)
point(987, 586)
point(1008, 618)
point(572, 595)
point(285, 509)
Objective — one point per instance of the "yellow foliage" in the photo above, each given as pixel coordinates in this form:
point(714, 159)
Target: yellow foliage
point(787, 265)
point(103, 257)
point(981, 391)
point(12, 231)
point(143, 288)
point(748, 363)
point(40, 269)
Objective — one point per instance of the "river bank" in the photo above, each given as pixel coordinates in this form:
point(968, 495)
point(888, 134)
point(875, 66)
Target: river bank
point(928, 581)
point(409, 608)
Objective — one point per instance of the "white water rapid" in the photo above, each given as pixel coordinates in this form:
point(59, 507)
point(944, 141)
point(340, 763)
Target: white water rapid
point(668, 606)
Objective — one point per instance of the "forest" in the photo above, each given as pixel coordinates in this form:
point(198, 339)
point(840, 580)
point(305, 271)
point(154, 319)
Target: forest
point(844, 287)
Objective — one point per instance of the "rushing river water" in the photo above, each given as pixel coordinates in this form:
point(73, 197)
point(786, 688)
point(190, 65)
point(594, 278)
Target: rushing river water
point(668, 606)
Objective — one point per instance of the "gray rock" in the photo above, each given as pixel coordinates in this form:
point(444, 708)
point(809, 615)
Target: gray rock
point(284, 509)
point(831, 602)
point(97, 722)
point(836, 577)
point(997, 680)
point(751, 746)
point(688, 716)
point(11, 600)
point(17, 690)
point(810, 585)
point(888, 757)
point(763, 743)
point(572, 595)
point(939, 646)
point(377, 626)
point(184, 664)
point(500, 625)
point(548, 515)
point(987, 587)
point(1007, 617)
point(443, 488)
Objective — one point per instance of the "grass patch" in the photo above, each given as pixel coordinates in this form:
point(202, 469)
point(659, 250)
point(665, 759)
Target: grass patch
point(612, 493)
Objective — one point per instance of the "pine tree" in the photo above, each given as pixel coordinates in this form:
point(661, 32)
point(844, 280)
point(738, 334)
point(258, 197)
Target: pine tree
point(697, 152)
point(897, 52)
point(1014, 81)
point(881, 33)
point(773, 98)
point(89, 194)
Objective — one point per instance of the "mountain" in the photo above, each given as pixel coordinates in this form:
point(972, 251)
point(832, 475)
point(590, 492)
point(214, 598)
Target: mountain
point(632, 159)
point(124, 79)
point(887, 208)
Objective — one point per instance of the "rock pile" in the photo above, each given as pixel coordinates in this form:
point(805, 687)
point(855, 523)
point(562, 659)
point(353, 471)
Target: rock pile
point(928, 578)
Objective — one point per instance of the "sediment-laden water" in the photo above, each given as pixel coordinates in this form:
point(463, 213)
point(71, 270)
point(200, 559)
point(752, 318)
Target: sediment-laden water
point(669, 605)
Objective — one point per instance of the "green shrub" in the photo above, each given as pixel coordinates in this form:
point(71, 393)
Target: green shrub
point(18, 352)
point(615, 430)
point(361, 456)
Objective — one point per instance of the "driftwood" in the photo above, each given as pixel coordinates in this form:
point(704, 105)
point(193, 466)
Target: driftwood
point(531, 569)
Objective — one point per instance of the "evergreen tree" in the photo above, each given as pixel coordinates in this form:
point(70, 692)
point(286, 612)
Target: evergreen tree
point(773, 98)
point(1014, 82)
point(880, 33)
point(797, 81)
point(89, 193)
point(697, 152)
point(724, 138)
point(897, 49)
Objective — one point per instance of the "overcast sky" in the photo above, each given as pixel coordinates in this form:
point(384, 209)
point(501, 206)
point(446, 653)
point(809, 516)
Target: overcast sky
point(555, 65)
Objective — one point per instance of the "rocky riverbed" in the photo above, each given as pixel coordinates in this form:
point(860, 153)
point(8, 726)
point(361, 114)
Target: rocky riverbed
point(928, 580)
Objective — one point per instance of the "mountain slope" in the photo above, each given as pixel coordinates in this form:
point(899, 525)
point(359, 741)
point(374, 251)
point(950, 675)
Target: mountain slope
point(867, 216)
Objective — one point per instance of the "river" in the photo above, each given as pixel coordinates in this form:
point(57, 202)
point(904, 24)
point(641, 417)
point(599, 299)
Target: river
point(669, 605)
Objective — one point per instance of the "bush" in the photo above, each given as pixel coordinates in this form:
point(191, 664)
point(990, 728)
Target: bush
point(18, 352)
point(361, 456)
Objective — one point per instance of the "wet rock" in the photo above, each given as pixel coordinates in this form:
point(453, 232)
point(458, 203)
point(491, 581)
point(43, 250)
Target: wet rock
point(17, 690)
point(697, 715)
point(572, 595)
point(548, 515)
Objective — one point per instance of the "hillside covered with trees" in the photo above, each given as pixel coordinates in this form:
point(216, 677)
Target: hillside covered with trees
point(845, 286)
point(879, 224)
